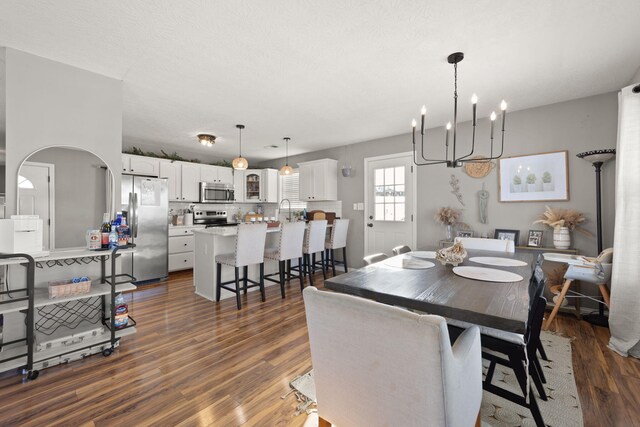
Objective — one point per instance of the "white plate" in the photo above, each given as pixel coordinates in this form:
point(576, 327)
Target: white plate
point(487, 274)
point(423, 254)
point(502, 262)
point(408, 262)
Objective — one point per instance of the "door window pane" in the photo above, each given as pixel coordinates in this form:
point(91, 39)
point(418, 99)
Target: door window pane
point(389, 197)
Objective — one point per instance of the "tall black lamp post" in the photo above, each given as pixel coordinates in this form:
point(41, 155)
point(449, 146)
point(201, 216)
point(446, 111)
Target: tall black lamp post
point(598, 158)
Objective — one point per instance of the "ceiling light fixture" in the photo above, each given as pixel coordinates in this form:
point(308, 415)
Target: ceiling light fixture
point(286, 170)
point(454, 161)
point(206, 140)
point(240, 163)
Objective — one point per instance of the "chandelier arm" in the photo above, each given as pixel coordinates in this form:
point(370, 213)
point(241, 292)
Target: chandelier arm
point(435, 162)
point(488, 159)
point(422, 153)
point(473, 145)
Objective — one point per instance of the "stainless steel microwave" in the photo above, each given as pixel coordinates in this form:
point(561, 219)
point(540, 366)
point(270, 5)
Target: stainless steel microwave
point(215, 192)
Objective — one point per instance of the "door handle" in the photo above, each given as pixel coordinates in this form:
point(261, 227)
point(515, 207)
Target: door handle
point(369, 224)
point(135, 202)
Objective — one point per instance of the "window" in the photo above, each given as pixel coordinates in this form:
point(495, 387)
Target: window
point(290, 189)
point(389, 194)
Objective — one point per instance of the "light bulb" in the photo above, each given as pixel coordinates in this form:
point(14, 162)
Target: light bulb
point(423, 111)
point(203, 142)
point(503, 105)
point(414, 123)
point(449, 126)
point(474, 99)
point(493, 115)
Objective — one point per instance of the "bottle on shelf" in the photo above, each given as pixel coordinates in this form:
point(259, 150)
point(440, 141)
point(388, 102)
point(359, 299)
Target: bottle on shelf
point(124, 236)
point(105, 230)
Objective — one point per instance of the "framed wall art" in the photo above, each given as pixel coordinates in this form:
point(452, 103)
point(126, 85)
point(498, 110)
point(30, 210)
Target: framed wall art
point(534, 177)
point(535, 238)
point(502, 234)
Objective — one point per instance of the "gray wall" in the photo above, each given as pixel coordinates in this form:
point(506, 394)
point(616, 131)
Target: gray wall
point(635, 78)
point(79, 203)
point(578, 125)
point(49, 104)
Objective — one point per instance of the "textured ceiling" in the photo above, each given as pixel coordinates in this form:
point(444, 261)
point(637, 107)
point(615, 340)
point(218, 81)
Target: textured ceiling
point(328, 72)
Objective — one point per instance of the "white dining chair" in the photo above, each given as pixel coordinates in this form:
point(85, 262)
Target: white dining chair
point(373, 258)
point(403, 249)
point(495, 245)
point(379, 365)
point(289, 247)
point(249, 250)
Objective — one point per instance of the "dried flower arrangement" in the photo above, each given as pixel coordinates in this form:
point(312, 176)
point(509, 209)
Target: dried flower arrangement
point(556, 218)
point(449, 216)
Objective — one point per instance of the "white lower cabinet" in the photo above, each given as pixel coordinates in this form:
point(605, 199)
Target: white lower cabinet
point(181, 246)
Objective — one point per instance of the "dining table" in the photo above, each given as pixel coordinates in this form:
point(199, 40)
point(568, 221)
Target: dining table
point(406, 281)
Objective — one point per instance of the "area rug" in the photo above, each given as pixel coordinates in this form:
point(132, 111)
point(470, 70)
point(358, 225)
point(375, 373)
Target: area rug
point(562, 409)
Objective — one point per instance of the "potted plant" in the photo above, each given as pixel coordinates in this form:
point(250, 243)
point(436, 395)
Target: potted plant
point(449, 217)
point(531, 182)
point(563, 221)
point(546, 182)
point(517, 184)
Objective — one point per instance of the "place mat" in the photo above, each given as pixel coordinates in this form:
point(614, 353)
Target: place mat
point(502, 262)
point(487, 274)
point(423, 254)
point(408, 262)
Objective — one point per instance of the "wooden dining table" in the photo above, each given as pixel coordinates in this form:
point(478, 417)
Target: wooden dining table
point(438, 290)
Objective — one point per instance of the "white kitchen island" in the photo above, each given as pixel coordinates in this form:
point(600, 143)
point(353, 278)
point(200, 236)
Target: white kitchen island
point(214, 241)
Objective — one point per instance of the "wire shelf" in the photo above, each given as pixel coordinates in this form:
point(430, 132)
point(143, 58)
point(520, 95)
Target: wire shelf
point(69, 314)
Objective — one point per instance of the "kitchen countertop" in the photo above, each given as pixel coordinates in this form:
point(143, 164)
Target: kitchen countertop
point(228, 231)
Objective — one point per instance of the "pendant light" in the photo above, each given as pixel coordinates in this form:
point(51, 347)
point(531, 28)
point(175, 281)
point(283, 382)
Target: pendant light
point(240, 163)
point(286, 170)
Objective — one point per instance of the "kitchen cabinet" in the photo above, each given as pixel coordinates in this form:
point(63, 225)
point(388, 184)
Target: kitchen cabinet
point(218, 174)
point(140, 165)
point(319, 180)
point(173, 172)
point(183, 180)
point(261, 185)
point(238, 186)
point(181, 246)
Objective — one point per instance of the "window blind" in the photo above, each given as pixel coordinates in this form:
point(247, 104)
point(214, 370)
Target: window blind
point(290, 189)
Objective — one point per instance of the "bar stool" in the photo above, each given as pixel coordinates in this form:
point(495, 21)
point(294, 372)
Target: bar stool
point(250, 242)
point(338, 240)
point(314, 243)
point(401, 250)
point(289, 247)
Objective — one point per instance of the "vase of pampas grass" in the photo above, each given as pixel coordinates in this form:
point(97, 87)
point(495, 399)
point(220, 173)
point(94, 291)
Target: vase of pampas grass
point(563, 222)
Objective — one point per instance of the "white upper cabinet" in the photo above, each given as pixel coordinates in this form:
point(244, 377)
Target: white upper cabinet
point(260, 185)
point(140, 165)
point(173, 172)
point(319, 180)
point(238, 186)
point(219, 174)
point(191, 182)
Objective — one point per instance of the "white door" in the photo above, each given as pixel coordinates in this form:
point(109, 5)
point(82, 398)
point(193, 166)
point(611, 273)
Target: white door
point(35, 197)
point(190, 182)
point(389, 203)
point(173, 172)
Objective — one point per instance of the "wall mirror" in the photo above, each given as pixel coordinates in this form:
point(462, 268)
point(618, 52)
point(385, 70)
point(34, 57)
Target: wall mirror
point(70, 189)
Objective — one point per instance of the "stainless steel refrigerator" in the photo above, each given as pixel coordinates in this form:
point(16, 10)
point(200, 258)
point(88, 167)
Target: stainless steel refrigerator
point(146, 201)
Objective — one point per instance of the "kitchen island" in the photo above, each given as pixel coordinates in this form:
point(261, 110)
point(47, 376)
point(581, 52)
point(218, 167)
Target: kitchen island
point(213, 241)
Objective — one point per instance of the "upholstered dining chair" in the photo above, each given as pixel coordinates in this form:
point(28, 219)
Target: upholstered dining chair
point(379, 365)
point(289, 247)
point(250, 242)
point(487, 244)
point(372, 259)
point(314, 242)
point(401, 250)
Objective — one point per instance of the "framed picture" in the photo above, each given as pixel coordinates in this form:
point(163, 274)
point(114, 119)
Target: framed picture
point(464, 233)
point(507, 235)
point(535, 238)
point(534, 177)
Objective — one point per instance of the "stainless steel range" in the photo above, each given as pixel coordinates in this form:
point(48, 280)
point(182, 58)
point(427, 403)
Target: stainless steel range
point(211, 218)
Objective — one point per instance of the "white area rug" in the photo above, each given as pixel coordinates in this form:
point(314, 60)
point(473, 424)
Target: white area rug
point(561, 410)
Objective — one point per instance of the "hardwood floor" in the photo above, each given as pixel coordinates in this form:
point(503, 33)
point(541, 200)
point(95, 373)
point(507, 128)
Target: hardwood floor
point(194, 362)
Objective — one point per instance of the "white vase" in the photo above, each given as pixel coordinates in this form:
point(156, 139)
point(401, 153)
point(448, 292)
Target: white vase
point(561, 238)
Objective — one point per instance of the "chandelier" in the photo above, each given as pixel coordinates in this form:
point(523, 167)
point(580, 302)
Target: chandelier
point(206, 140)
point(451, 160)
point(240, 163)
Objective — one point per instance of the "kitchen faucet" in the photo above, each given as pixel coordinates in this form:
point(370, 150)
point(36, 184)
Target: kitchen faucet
point(289, 202)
